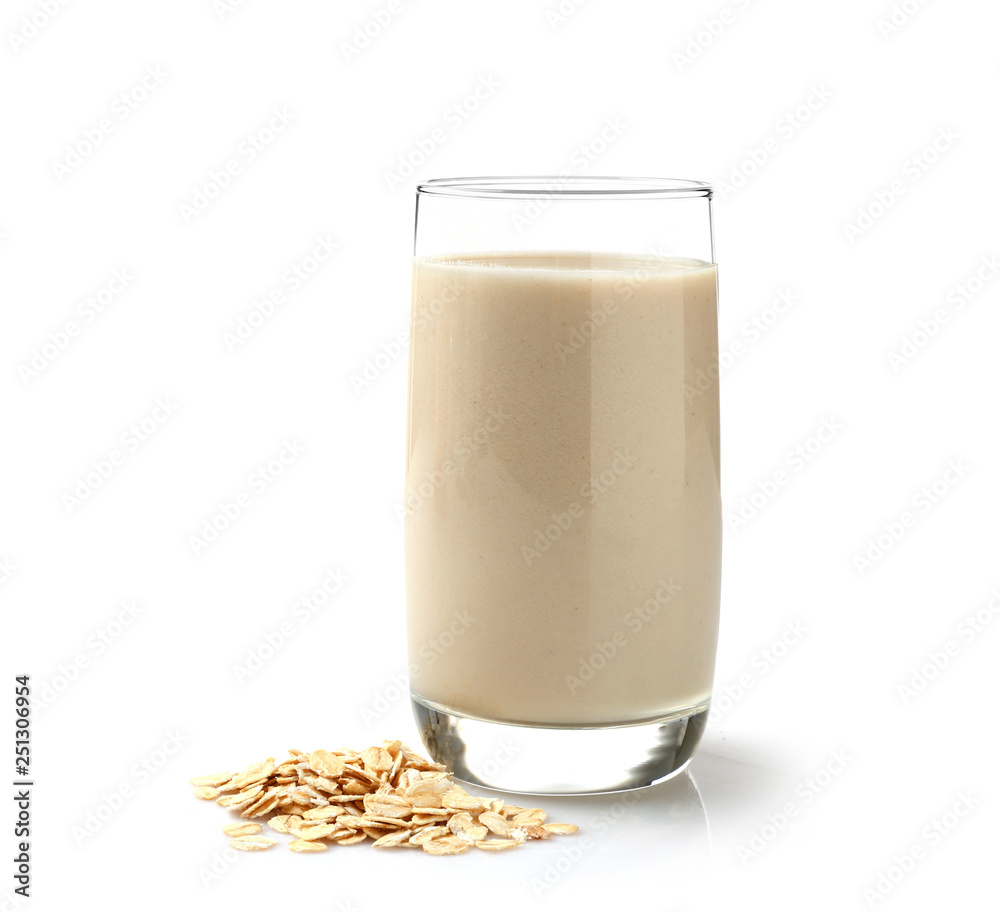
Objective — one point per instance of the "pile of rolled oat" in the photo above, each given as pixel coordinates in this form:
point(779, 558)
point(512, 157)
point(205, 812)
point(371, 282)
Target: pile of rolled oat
point(389, 794)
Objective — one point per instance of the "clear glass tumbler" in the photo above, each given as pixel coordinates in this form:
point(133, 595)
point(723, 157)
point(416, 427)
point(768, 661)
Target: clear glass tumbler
point(562, 510)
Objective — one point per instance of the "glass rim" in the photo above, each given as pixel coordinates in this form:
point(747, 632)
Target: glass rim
point(565, 187)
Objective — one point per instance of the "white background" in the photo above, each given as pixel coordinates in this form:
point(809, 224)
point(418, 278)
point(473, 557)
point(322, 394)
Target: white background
point(159, 700)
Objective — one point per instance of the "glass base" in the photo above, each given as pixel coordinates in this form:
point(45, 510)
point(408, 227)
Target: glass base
point(564, 760)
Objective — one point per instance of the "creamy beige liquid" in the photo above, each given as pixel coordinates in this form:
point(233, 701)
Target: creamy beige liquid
point(563, 516)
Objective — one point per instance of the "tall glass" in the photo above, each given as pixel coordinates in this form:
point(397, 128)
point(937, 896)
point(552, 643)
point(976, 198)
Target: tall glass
point(562, 509)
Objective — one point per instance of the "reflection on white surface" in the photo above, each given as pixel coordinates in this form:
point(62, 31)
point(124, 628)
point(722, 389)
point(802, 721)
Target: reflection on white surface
point(687, 828)
point(667, 819)
point(734, 777)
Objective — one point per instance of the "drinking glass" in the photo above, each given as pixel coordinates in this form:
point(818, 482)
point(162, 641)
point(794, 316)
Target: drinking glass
point(562, 515)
